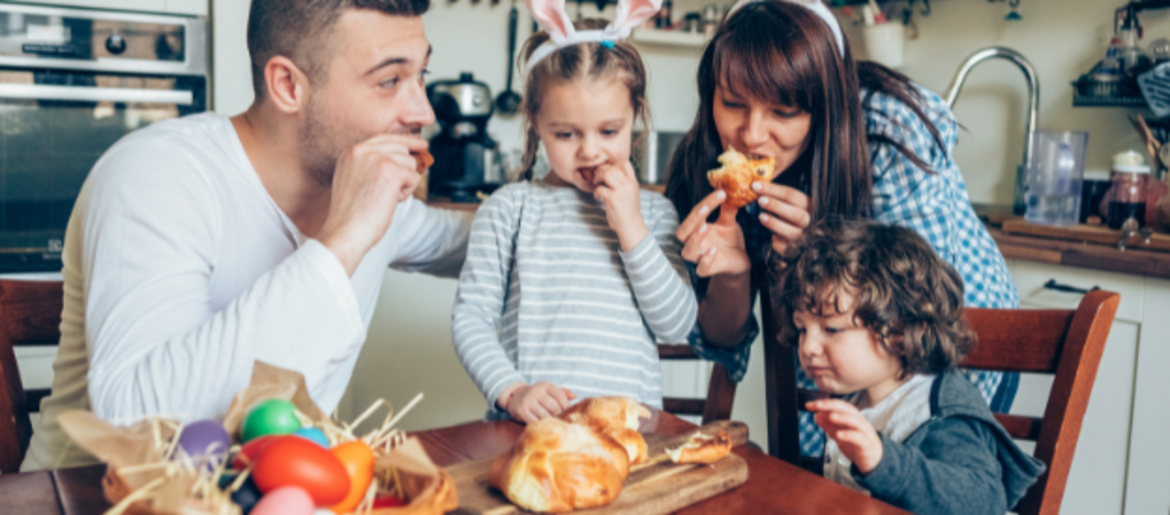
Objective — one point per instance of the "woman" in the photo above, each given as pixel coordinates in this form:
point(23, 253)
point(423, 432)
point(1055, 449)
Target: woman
point(852, 139)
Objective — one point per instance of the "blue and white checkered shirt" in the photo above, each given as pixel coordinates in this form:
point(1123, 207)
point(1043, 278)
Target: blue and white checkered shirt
point(933, 204)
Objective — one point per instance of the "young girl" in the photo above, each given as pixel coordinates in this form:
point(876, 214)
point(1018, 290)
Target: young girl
point(878, 318)
point(571, 280)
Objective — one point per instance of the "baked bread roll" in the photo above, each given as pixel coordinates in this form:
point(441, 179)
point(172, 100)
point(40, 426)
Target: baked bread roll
point(737, 175)
point(556, 467)
point(616, 417)
point(701, 448)
point(424, 160)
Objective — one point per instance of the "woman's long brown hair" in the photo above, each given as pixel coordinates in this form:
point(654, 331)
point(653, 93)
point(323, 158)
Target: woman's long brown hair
point(781, 53)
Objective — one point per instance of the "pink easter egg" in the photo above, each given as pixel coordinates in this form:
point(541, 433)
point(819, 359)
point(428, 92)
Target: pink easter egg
point(286, 500)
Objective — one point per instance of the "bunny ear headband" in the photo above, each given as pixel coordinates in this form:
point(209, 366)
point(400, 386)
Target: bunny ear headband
point(551, 16)
point(816, 7)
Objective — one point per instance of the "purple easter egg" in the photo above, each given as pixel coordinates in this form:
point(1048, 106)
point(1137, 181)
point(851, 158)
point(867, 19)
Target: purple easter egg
point(205, 441)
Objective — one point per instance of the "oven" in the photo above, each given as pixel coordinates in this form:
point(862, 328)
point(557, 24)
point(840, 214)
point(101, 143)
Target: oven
point(72, 82)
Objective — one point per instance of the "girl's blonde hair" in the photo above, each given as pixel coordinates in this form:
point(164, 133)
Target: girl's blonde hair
point(595, 61)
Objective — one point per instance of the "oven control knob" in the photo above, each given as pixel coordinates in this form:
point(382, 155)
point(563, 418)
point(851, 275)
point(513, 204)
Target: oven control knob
point(116, 44)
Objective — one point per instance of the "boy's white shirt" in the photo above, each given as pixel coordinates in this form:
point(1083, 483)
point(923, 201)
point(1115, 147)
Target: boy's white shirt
point(181, 271)
point(897, 417)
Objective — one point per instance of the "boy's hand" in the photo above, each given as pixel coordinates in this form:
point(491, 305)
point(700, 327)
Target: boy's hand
point(617, 186)
point(539, 401)
point(855, 436)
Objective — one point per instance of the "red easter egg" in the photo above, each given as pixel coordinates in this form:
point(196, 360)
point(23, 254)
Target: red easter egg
point(251, 451)
point(388, 501)
point(295, 461)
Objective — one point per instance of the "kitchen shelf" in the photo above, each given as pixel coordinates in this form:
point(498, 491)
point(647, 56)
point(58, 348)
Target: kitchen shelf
point(675, 38)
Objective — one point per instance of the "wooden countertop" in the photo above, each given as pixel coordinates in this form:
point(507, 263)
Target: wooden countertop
point(1030, 248)
point(1083, 255)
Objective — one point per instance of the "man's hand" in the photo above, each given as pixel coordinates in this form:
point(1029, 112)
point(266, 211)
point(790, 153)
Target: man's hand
point(855, 436)
point(539, 401)
point(370, 179)
point(617, 186)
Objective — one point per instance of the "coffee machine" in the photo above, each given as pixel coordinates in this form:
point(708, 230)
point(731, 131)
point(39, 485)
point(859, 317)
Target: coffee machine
point(466, 157)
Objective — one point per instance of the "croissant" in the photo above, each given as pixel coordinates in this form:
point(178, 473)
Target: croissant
point(424, 159)
point(556, 466)
point(737, 175)
point(616, 417)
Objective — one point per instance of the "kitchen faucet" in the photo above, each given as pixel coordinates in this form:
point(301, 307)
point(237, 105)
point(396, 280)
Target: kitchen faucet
point(1033, 106)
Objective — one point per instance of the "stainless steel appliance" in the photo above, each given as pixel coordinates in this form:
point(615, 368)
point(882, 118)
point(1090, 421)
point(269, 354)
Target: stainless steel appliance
point(466, 157)
point(72, 82)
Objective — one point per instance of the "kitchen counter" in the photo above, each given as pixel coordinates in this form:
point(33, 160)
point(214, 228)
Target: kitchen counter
point(1083, 255)
point(1028, 248)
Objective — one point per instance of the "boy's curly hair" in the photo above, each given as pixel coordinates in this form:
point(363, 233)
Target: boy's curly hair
point(910, 298)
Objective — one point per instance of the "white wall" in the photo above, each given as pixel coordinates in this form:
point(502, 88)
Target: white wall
point(409, 348)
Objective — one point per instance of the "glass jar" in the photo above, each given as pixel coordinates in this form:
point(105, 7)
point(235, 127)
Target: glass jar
point(1127, 197)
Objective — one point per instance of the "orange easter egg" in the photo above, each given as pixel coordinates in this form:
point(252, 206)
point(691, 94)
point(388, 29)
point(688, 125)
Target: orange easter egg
point(295, 461)
point(358, 459)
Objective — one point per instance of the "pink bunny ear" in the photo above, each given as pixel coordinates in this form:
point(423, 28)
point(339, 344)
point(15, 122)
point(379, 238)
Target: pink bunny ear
point(551, 16)
point(631, 13)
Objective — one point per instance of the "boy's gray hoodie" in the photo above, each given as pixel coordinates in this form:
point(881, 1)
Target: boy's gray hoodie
point(960, 461)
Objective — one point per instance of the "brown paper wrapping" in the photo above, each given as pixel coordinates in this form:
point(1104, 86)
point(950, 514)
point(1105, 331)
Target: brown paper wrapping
point(429, 488)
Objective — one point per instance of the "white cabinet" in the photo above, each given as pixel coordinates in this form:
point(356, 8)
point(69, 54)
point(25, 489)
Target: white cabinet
point(1119, 466)
point(186, 7)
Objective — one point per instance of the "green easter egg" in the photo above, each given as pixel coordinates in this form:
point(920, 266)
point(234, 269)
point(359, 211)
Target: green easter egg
point(271, 417)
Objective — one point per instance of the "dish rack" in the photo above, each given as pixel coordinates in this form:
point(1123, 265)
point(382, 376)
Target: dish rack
point(1089, 92)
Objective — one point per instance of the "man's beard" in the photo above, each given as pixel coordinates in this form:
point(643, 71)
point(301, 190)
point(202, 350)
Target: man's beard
point(322, 141)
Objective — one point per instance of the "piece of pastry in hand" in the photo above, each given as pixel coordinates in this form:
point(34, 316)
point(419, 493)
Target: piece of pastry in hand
point(701, 448)
point(556, 467)
point(423, 160)
point(737, 175)
point(616, 417)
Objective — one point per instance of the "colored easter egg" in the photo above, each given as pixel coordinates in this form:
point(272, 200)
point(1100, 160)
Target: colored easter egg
point(271, 417)
point(313, 435)
point(251, 451)
point(295, 461)
point(205, 441)
point(247, 496)
point(388, 501)
point(286, 500)
point(358, 459)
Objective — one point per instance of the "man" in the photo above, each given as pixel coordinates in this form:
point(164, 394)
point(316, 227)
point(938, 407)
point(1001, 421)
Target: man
point(200, 245)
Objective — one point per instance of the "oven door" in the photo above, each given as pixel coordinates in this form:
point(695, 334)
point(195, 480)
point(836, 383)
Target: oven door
point(54, 125)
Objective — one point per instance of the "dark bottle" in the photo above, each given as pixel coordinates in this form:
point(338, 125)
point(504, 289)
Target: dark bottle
point(662, 21)
point(1119, 212)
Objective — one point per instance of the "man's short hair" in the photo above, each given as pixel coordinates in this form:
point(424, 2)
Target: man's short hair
point(300, 30)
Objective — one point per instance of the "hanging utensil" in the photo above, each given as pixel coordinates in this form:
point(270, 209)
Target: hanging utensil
point(508, 102)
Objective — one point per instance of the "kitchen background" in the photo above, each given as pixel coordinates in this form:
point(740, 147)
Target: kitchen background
point(409, 348)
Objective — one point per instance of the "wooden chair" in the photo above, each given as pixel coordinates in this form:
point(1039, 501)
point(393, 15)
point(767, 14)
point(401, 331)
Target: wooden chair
point(1065, 343)
point(30, 314)
point(720, 389)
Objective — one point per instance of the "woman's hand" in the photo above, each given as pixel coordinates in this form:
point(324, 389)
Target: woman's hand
point(716, 248)
point(617, 186)
point(855, 436)
point(539, 401)
point(784, 211)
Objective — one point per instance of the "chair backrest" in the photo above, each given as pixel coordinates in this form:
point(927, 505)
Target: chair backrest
point(1065, 343)
point(720, 389)
point(30, 314)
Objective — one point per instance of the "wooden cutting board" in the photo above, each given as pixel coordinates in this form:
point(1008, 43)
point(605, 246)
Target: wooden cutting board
point(657, 488)
point(1087, 233)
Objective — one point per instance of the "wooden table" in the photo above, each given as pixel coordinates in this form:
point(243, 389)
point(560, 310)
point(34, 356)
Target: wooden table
point(773, 486)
